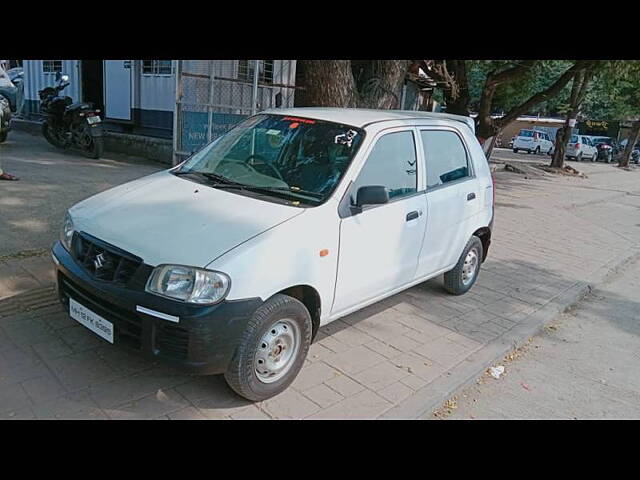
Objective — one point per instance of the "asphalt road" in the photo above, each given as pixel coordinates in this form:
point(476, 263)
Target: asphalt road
point(583, 366)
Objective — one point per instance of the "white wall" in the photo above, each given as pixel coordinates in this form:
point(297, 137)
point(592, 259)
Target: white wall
point(35, 79)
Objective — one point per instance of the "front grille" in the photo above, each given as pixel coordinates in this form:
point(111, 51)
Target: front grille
point(128, 326)
point(103, 261)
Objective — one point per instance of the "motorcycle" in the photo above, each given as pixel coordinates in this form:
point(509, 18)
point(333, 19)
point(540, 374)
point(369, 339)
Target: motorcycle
point(68, 124)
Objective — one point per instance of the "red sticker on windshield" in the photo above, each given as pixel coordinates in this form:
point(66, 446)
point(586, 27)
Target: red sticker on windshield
point(294, 125)
point(299, 120)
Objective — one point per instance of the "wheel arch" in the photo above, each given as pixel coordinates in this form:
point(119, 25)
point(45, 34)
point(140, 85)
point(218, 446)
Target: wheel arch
point(484, 234)
point(310, 298)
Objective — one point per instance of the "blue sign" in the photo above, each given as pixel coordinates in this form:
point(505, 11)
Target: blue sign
point(195, 126)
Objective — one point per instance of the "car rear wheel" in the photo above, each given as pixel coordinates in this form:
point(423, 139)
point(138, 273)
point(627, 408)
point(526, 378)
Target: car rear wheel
point(579, 157)
point(515, 150)
point(272, 349)
point(537, 152)
point(465, 273)
point(594, 157)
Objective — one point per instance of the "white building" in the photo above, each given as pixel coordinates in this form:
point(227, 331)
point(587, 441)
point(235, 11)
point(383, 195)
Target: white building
point(142, 96)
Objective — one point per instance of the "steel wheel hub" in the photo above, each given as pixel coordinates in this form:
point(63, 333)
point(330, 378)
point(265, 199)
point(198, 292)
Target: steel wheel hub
point(277, 351)
point(469, 267)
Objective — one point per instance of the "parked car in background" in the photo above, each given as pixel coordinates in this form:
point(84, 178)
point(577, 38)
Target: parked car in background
point(231, 261)
point(513, 139)
point(580, 148)
point(606, 147)
point(533, 141)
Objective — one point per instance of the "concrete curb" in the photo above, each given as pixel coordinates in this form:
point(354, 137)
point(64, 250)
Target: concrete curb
point(425, 401)
point(151, 148)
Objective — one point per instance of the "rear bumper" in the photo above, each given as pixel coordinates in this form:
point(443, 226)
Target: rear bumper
point(201, 342)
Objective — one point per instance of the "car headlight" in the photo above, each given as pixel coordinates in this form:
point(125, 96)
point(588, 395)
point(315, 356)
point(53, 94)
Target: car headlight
point(189, 284)
point(66, 234)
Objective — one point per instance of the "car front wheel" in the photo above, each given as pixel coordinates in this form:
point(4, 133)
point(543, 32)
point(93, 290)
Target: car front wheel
point(465, 273)
point(272, 349)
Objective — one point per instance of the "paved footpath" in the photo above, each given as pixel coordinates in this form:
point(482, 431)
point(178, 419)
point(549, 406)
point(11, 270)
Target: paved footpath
point(399, 358)
point(582, 366)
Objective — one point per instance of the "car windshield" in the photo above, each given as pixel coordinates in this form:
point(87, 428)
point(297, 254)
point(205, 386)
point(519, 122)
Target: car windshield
point(606, 140)
point(526, 133)
point(298, 158)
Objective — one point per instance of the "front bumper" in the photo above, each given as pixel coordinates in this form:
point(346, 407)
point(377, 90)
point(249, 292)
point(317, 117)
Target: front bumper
point(201, 342)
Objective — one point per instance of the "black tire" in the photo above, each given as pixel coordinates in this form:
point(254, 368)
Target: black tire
point(515, 150)
point(96, 150)
point(241, 373)
point(579, 157)
point(49, 137)
point(537, 151)
point(3, 136)
point(453, 279)
point(550, 152)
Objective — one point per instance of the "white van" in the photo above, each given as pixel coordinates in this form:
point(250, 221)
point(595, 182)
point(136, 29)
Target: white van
point(533, 141)
point(231, 261)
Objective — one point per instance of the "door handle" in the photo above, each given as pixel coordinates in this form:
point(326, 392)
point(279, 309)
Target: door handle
point(413, 215)
point(471, 196)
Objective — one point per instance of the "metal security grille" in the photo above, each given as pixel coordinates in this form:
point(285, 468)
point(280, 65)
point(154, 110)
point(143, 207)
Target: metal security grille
point(214, 95)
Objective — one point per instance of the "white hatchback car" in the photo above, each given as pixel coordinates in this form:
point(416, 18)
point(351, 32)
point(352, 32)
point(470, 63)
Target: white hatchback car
point(231, 261)
point(581, 147)
point(533, 141)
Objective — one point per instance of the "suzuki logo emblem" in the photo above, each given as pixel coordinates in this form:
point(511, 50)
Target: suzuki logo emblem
point(99, 261)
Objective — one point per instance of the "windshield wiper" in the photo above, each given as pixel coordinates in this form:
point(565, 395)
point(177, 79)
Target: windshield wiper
point(270, 189)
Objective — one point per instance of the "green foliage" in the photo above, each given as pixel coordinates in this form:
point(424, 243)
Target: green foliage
point(509, 95)
point(615, 92)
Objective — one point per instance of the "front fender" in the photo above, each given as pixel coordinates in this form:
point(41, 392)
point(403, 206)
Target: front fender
point(96, 130)
point(286, 256)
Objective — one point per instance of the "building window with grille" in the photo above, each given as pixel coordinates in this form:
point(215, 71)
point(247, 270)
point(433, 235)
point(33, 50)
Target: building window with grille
point(156, 67)
point(265, 71)
point(51, 66)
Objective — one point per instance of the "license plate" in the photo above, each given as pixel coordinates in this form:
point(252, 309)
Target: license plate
point(94, 119)
point(91, 320)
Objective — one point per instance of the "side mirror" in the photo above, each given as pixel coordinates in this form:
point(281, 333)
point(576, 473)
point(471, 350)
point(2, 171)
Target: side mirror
point(370, 195)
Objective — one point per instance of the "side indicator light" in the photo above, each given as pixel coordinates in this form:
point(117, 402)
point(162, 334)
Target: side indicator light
point(324, 252)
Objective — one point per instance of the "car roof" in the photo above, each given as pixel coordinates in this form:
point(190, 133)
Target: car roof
point(361, 117)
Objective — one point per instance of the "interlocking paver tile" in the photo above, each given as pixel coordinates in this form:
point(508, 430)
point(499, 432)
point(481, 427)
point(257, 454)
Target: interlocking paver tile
point(363, 405)
point(313, 375)
point(345, 385)
point(355, 360)
point(289, 405)
point(380, 376)
point(323, 395)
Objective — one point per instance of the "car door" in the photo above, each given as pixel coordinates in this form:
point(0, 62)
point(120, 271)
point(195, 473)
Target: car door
point(453, 199)
point(379, 247)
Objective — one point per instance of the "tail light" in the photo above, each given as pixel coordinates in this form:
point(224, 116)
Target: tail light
point(577, 145)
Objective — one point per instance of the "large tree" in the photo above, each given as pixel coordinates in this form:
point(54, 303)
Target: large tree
point(616, 96)
point(351, 83)
point(511, 87)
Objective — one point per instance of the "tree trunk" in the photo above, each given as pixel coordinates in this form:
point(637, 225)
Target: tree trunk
point(328, 83)
point(578, 92)
point(634, 135)
point(382, 83)
point(457, 97)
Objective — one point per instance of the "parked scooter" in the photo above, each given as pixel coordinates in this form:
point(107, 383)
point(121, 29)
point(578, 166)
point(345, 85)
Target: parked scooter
point(68, 124)
point(5, 118)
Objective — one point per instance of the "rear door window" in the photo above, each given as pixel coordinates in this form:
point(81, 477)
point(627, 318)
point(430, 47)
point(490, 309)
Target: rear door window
point(446, 157)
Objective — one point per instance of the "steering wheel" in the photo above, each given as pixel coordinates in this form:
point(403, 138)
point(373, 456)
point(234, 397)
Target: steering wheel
point(261, 161)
